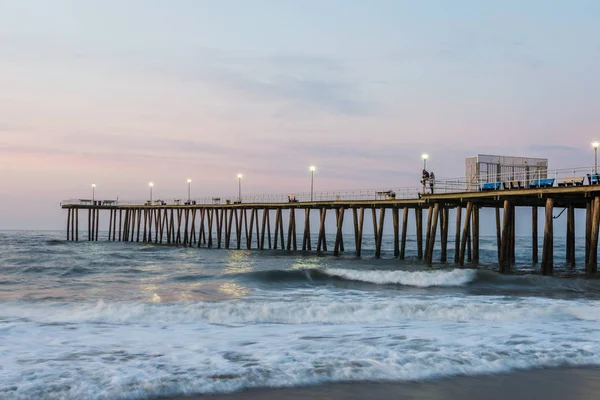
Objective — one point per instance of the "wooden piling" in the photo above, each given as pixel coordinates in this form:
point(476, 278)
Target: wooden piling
point(513, 236)
point(396, 227)
point(404, 230)
point(444, 240)
point(571, 236)
point(592, 262)
point(428, 230)
point(276, 235)
point(548, 251)
point(338, 237)
point(69, 211)
point(227, 230)
point(588, 229)
point(306, 246)
point(380, 233)
point(221, 219)
point(457, 240)
point(419, 227)
point(504, 264)
point(337, 215)
point(209, 230)
point(90, 225)
point(475, 234)
point(432, 222)
point(534, 234)
point(465, 232)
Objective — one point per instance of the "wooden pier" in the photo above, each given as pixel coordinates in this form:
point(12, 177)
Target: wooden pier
point(263, 225)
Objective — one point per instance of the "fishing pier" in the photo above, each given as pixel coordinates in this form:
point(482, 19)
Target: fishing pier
point(273, 222)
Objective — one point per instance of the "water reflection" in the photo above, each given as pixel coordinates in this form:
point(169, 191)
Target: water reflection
point(233, 289)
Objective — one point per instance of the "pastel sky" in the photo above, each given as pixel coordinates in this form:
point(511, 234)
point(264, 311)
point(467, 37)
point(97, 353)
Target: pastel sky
point(120, 93)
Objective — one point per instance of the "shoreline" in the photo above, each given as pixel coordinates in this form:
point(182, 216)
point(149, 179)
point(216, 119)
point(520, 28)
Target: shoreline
point(548, 384)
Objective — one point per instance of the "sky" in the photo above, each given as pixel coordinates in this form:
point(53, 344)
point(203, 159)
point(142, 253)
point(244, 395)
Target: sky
point(121, 93)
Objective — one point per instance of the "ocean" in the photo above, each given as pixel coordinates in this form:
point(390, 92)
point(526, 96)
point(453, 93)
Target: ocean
point(108, 320)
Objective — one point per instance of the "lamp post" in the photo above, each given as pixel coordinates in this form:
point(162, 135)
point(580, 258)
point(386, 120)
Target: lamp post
point(151, 186)
point(189, 181)
point(240, 176)
point(93, 193)
point(312, 180)
point(424, 157)
point(595, 144)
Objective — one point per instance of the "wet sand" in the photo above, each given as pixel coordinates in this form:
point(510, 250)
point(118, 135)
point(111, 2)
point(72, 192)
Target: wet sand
point(546, 384)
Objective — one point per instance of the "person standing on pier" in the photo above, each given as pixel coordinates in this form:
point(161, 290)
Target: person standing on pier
point(424, 179)
point(431, 181)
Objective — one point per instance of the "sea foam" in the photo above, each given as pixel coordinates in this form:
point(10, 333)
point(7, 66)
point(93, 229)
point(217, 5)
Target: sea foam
point(454, 277)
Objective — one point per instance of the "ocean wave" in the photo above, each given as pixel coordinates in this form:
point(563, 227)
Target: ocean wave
point(454, 277)
point(73, 359)
point(334, 310)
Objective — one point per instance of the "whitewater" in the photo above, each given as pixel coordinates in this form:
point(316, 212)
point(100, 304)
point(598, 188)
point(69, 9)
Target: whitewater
point(130, 321)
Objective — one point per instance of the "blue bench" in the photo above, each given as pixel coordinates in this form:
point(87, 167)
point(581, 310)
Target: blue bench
point(491, 186)
point(541, 183)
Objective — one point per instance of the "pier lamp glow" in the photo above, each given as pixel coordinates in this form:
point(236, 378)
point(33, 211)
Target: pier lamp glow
point(240, 176)
point(93, 193)
point(595, 145)
point(424, 157)
point(151, 184)
point(189, 181)
point(312, 179)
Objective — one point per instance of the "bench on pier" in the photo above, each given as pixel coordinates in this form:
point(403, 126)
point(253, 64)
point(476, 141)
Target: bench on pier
point(177, 202)
point(385, 194)
point(572, 181)
point(542, 183)
point(190, 203)
point(216, 200)
point(593, 179)
point(516, 185)
point(109, 202)
point(491, 186)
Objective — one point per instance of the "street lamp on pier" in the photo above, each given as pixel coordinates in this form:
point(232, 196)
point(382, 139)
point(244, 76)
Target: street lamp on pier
point(312, 179)
point(189, 181)
point(151, 184)
point(240, 176)
point(424, 157)
point(93, 193)
point(595, 145)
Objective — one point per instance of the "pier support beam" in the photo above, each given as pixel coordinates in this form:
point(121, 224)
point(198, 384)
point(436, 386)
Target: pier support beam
point(445, 213)
point(395, 218)
point(534, 235)
point(404, 229)
point(306, 245)
point(321, 241)
point(338, 237)
point(379, 233)
point(570, 256)
point(504, 264)
point(548, 251)
point(457, 240)
point(475, 233)
point(592, 262)
point(358, 229)
point(432, 232)
point(466, 233)
point(419, 226)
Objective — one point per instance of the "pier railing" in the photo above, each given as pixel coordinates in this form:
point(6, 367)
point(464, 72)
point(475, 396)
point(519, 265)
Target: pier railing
point(491, 181)
point(266, 198)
